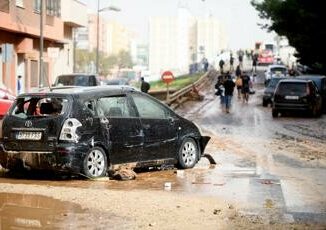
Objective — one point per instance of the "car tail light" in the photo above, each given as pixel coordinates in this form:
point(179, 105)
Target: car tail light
point(68, 131)
point(307, 90)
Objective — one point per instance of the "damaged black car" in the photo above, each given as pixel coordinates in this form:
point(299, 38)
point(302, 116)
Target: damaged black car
point(91, 130)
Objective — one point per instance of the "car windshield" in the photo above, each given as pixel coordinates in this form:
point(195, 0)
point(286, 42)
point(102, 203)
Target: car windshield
point(278, 69)
point(26, 107)
point(291, 88)
point(77, 80)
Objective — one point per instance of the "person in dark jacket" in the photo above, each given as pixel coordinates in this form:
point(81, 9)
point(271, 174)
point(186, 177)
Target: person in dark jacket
point(229, 87)
point(245, 87)
point(145, 86)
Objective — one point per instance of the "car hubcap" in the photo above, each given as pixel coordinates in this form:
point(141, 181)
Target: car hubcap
point(189, 153)
point(95, 163)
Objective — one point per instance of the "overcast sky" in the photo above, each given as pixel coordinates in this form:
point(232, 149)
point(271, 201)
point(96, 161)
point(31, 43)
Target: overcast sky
point(238, 16)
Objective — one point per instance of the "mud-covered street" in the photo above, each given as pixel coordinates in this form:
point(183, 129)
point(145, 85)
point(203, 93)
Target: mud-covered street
point(269, 172)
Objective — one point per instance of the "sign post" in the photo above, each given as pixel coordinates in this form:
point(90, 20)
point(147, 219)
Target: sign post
point(167, 77)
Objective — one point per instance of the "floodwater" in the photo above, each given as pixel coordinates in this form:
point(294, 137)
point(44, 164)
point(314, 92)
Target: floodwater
point(23, 211)
point(270, 167)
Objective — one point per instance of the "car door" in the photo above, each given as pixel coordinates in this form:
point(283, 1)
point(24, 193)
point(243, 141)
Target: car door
point(158, 122)
point(123, 127)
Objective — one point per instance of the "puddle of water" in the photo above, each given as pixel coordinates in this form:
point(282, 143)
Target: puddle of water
point(22, 211)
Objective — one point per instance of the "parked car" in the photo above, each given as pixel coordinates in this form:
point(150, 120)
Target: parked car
point(116, 81)
point(6, 100)
point(269, 91)
point(275, 71)
point(77, 79)
point(320, 81)
point(297, 95)
point(90, 129)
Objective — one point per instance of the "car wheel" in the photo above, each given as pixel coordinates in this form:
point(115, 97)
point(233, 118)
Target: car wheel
point(265, 103)
point(315, 112)
point(188, 153)
point(95, 163)
point(274, 113)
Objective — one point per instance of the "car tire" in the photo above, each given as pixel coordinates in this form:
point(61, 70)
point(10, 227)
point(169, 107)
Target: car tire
point(265, 103)
point(95, 163)
point(274, 113)
point(188, 154)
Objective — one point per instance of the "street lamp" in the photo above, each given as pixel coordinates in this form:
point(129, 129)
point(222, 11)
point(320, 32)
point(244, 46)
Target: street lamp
point(112, 8)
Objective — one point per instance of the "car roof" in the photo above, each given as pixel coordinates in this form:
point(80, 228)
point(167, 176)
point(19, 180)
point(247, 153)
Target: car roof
point(295, 80)
point(277, 66)
point(78, 74)
point(79, 91)
point(311, 76)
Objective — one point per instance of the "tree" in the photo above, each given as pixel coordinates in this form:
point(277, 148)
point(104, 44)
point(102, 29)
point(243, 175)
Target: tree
point(302, 22)
point(124, 59)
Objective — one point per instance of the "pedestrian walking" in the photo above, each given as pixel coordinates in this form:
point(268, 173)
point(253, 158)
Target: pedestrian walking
point(254, 63)
point(238, 81)
point(221, 64)
point(245, 87)
point(145, 86)
point(19, 84)
point(240, 58)
point(231, 63)
point(220, 88)
point(229, 88)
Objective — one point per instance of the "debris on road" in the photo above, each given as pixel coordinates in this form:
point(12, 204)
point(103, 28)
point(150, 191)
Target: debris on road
point(124, 174)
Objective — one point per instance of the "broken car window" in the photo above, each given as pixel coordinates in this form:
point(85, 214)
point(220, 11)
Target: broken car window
point(148, 108)
point(39, 107)
point(114, 107)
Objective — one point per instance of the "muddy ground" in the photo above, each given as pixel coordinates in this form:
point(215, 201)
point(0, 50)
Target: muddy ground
point(269, 175)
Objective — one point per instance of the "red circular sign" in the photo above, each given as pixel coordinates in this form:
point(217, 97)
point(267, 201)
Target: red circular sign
point(167, 77)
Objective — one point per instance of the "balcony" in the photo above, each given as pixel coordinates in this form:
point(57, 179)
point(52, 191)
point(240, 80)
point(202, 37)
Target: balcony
point(79, 16)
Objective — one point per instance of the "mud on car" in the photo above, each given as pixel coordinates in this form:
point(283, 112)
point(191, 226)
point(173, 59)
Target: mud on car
point(89, 130)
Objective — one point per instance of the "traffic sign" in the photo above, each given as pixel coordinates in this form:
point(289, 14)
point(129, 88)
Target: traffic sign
point(167, 77)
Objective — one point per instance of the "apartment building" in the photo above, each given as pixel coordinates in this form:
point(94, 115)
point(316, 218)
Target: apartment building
point(20, 29)
point(177, 42)
point(113, 36)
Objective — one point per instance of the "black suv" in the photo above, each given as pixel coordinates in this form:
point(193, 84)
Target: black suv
point(297, 95)
point(90, 129)
point(320, 82)
point(76, 79)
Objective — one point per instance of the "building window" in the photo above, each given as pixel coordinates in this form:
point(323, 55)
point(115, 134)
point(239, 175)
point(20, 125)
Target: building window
point(20, 3)
point(53, 8)
point(37, 6)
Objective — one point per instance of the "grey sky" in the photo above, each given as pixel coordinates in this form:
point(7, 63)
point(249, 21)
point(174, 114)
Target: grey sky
point(238, 16)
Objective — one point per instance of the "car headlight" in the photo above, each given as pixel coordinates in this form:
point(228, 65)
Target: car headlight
point(268, 94)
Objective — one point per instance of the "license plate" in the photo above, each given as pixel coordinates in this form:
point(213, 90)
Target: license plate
point(21, 135)
point(292, 97)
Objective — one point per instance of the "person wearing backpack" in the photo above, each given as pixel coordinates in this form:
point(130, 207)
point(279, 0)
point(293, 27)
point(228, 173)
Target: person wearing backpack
point(145, 86)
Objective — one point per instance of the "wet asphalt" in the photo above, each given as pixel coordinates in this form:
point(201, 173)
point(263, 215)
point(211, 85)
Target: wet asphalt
point(273, 168)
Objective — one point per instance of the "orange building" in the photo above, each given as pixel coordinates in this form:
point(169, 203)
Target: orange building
point(20, 26)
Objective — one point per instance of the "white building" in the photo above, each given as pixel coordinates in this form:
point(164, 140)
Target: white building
point(176, 42)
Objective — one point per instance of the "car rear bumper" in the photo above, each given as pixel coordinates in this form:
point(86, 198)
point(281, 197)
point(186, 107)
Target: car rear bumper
point(291, 107)
point(62, 158)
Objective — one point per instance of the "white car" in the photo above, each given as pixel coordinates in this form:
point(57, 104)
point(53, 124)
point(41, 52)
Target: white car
point(275, 71)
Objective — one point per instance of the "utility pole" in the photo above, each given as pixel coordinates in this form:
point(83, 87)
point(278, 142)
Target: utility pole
point(112, 8)
point(97, 35)
point(41, 46)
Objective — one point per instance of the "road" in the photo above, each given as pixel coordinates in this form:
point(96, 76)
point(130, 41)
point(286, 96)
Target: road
point(269, 173)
